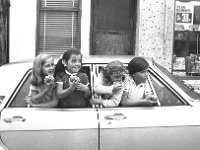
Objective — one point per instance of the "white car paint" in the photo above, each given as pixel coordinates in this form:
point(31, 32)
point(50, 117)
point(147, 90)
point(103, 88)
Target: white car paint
point(138, 128)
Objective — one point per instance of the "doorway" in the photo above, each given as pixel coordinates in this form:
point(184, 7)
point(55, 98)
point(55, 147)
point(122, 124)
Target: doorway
point(113, 27)
point(4, 31)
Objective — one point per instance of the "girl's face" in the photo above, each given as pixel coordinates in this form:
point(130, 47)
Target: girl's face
point(141, 76)
point(48, 67)
point(73, 65)
point(116, 76)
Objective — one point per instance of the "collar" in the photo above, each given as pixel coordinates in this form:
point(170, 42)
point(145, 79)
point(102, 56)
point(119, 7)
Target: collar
point(70, 74)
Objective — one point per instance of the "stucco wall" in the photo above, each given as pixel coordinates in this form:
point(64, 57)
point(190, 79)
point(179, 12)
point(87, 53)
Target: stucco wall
point(155, 30)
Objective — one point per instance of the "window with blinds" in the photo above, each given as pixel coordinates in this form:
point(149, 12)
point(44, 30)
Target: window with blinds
point(58, 26)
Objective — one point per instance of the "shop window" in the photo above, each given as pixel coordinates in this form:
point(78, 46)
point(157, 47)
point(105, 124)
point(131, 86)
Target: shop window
point(186, 60)
point(58, 25)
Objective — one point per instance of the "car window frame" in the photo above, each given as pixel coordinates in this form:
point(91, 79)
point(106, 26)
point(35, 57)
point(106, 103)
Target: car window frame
point(18, 88)
point(26, 77)
point(94, 72)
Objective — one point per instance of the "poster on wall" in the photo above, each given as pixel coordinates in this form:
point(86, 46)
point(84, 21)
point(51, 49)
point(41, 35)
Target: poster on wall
point(184, 14)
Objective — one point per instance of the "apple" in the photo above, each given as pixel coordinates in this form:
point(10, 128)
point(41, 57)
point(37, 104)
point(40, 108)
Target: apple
point(73, 78)
point(48, 78)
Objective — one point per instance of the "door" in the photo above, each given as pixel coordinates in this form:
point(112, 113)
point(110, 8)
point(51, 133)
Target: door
point(154, 128)
point(172, 124)
point(113, 27)
point(49, 129)
point(24, 128)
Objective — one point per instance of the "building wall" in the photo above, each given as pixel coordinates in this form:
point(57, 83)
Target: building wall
point(85, 27)
point(154, 29)
point(22, 29)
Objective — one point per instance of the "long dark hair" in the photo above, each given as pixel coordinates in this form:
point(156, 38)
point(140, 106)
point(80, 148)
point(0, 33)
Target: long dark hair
point(66, 56)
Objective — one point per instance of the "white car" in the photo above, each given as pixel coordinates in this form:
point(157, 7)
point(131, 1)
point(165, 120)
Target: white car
point(174, 124)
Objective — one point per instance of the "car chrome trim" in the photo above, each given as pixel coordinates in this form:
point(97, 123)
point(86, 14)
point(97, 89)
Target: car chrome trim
point(19, 86)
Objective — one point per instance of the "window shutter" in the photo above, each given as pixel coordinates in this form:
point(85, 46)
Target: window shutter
point(58, 26)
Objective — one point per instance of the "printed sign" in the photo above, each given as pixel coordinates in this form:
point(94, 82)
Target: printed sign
point(183, 17)
point(184, 13)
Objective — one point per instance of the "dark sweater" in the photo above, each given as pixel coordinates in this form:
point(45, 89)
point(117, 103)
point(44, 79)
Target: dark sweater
point(76, 98)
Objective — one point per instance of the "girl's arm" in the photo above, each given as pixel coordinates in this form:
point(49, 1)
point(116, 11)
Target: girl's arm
point(85, 89)
point(138, 103)
point(65, 92)
point(51, 104)
point(112, 102)
point(131, 102)
point(87, 92)
point(36, 97)
point(99, 88)
point(83, 85)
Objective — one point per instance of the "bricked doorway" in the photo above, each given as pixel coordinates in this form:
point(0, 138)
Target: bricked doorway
point(113, 27)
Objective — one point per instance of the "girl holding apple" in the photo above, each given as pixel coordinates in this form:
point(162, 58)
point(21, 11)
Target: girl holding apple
point(42, 91)
point(72, 85)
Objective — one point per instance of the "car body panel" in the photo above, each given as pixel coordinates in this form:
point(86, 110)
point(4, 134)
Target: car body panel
point(52, 140)
point(149, 128)
point(159, 138)
point(64, 129)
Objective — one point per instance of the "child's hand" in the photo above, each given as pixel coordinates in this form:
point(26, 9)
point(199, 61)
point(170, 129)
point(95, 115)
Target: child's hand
point(48, 79)
point(151, 98)
point(74, 84)
point(73, 78)
point(82, 87)
point(117, 86)
point(50, 82)
point(28, 101)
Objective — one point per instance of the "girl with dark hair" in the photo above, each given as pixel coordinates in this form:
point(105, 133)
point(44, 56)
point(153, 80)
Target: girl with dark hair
point(137, 91)
point(72, 85)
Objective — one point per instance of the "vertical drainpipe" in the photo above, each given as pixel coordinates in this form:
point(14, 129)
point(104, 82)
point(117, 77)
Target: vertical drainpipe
point(8, 29)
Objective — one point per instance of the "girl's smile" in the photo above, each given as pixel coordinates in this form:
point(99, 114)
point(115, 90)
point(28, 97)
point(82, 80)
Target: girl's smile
point(73, 65)
point(48, 67)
